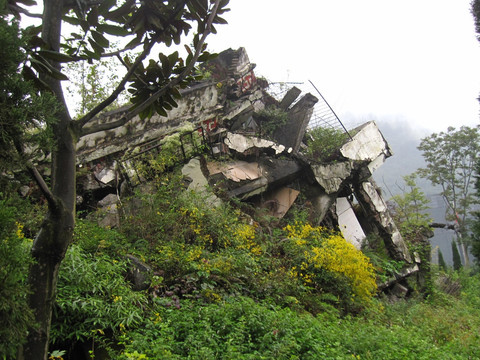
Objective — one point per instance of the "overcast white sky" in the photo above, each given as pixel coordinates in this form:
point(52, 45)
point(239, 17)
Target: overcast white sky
point(414, 60)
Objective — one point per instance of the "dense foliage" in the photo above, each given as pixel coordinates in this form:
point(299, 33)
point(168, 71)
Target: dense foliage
point(23, 114)
point(226, 286)
point(15, 315)
point(324, 143)
point(410, 210)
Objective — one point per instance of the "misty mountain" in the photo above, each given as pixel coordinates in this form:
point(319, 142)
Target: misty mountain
point(406, 159)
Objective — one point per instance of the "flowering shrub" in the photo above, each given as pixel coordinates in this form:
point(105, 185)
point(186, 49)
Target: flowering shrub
point(323, 257)
point(339, 256)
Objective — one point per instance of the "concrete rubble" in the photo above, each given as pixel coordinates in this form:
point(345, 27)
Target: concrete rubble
point(266, 169)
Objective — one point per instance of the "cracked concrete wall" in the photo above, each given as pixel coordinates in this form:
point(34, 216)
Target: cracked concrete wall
point(197, 105)
point(376, 209)
point(203, 104)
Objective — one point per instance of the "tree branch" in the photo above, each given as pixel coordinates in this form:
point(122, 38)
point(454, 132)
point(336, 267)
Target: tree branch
point(35, 174)
point(154, 97)
point(118, 52)
point(18, 9)
point(443, 226)
point(51, 199)
point(120, 87)
point(126, 66)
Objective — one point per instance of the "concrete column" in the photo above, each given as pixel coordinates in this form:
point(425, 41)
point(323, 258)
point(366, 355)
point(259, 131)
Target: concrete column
point(377, 213)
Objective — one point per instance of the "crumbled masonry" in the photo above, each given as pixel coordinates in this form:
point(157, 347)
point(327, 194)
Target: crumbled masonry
point(269, 170)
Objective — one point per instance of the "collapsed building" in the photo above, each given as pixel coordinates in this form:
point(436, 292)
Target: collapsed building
point(258, 155)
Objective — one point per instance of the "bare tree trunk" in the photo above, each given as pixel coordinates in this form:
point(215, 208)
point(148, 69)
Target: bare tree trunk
point(463, 249)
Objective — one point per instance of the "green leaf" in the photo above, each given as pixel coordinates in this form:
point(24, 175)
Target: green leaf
point(91, 55)
point(135, 42)
point(29, 75)
point(166, 66)
point(176, 94)
point(95, 46)
point(71, 20)
point(170, 100)
point(200, 7)
point(105, 6)
point(204, 57)
point(159, 109)
point(55, 56)
point(120, 12)
point(100, 39)
point(113, 30)
point(32, 30)
point(219, 20)
point(27, 2)
point(173, 58)
point(36, 41)
point(55, 73)
point(167, 106)
point(40, 66)
point(92, 17)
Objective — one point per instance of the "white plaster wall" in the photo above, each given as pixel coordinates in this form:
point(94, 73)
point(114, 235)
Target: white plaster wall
point(348, 223)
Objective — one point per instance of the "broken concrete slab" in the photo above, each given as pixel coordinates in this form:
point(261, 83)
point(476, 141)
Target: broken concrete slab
point(199, 183)
point(274, 173)
point(289, 98)
point(241, 143)
point(108, 208)
point(235, 170)
point(331, 177)
point(138, 273)
point(227, 109)
point(253, 188)
point(322, 203)
point(279, 201)
point(373, 203)
point(399, 291)
point(291, 134)
point(348, 223)
point(106, 175)
point(367, 144)
point(403, 274)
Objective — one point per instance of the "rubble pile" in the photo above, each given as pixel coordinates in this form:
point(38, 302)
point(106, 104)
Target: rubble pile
point(257, 154)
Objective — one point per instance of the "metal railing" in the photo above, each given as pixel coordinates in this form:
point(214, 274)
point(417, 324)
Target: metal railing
point(323, 114)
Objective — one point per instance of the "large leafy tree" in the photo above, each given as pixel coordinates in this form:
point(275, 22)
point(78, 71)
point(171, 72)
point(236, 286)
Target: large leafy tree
point(476, 223)
point(451, 157)
point(410, 210)
point(154, 88)
point(476, 220)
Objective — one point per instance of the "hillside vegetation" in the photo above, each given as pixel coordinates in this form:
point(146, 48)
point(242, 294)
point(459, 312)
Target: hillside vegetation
point(226, 285)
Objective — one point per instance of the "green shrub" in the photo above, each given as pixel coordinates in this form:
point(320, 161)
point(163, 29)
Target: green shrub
point(94, 298)
point(271, 118)
point(15, 314)
point(324, 142)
